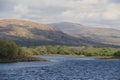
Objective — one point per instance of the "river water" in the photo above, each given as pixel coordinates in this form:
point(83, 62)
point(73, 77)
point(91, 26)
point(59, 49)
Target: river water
point(62, 68)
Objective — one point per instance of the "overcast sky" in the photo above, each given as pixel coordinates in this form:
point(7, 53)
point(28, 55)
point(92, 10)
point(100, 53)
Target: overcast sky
point(101, 12)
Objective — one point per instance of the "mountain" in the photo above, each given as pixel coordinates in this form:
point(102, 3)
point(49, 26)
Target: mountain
point(28, 33)
point(97, 34)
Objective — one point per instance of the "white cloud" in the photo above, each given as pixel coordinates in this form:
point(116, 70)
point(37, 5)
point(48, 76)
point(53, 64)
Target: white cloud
point(112, 12)
point(92, 1)
point(21, 9)
point(74, 8)
point(67, 13)
point(62, 3)
point(47, 11)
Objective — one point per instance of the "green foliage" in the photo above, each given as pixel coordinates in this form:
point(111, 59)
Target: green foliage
point(8, 49)
point(51, 49)
point(117, 53)
point(62, 50)
point(71, 50)
point(24, 51)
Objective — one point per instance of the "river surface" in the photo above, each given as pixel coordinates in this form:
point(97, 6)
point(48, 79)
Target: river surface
point(62, 68)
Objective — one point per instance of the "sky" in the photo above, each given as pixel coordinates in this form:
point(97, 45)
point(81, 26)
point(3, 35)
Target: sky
point(103, 13)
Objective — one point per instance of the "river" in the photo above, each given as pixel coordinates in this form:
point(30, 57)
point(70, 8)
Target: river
point(62, 68)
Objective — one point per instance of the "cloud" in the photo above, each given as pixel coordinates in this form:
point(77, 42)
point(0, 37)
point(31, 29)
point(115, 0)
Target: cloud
point(67, 13)
point(6, 6)
point(21, 9)
point(115, 1)
point(112, 12)
point(46, 11)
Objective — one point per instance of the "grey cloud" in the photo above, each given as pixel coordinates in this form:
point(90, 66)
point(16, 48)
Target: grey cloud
point(6, 5)
point(110, 23)
point(114, 1)
point(46, 10)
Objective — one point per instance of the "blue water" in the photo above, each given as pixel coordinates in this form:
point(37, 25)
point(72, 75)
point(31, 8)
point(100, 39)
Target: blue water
point(62, 68)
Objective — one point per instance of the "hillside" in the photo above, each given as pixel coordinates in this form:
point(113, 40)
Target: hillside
point(27, 33)
point(103, 35)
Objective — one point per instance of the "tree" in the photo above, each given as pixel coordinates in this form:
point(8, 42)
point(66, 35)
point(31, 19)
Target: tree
point(8, 48)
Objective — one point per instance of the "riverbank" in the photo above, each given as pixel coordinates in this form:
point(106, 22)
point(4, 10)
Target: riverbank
point(29, 58)
point(84, 56)
point(21, 59)
point(96, 57)
point(106, 57)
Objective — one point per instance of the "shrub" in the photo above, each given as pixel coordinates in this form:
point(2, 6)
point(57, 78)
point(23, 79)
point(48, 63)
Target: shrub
point(24, 51)
point(117, 53)
point(8, 49)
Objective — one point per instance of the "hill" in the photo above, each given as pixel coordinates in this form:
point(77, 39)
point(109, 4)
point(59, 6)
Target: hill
point(28, 33)
point(97, 34)
point(32, 34)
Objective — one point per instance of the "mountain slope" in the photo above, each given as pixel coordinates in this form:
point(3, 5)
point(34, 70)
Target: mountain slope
point(103, 35)
point(32, 34)
point(27, 33)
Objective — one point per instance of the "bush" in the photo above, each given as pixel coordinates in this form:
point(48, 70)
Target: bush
point(24, 51)
point(117, 53)
point(8, 49)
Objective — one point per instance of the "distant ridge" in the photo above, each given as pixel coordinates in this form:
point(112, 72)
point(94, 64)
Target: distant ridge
point(28, 33)
point(97, 34)
point(4, 23)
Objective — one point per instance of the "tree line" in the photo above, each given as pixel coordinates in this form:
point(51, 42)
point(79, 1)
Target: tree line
point(9, 49)
point(72, 50)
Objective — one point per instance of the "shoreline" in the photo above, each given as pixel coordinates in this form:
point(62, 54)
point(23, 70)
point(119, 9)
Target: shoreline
point(21, 59)
point(33, 58)
point(96, 57)
point(107, 57)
